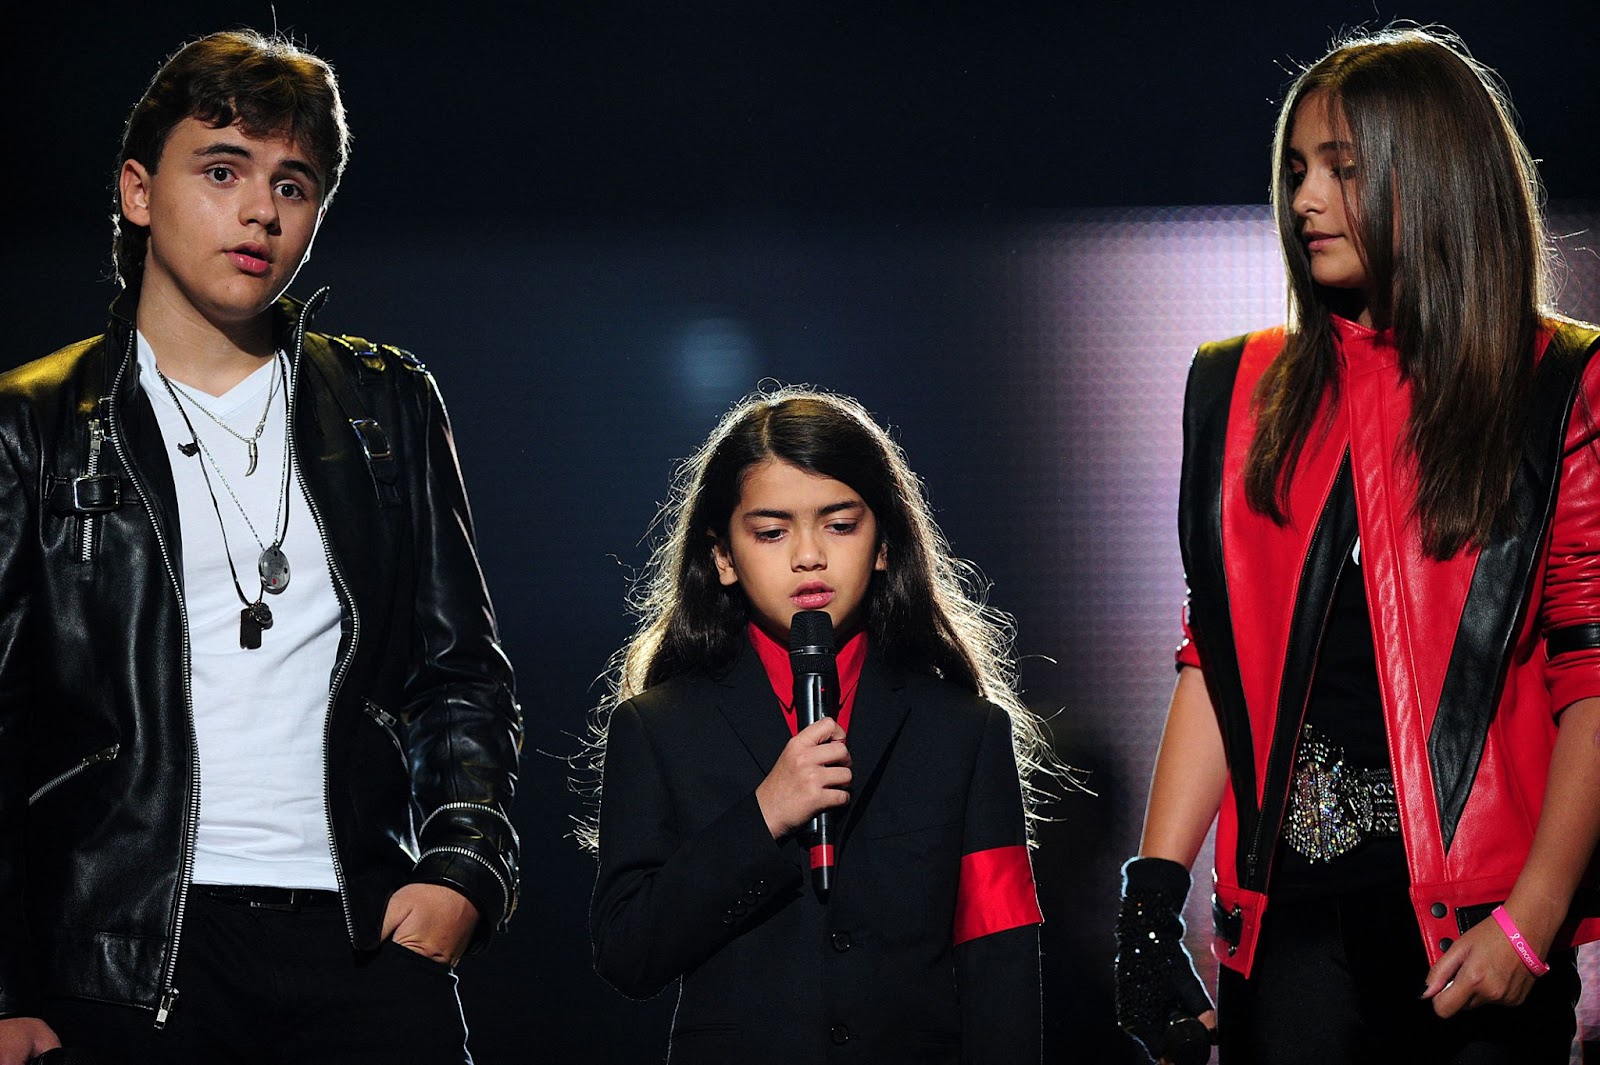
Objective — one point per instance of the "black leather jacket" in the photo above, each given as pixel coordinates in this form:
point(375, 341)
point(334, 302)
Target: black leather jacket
point(98, 767)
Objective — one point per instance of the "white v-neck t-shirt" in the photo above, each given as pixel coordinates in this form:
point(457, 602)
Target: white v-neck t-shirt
point(259, 715)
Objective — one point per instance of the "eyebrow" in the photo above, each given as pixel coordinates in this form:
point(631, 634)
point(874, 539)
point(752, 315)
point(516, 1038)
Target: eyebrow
point(1325, 146)
point(239, 151)
point(822, 512)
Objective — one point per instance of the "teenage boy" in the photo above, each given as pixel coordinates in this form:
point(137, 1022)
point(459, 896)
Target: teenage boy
point(258, 739)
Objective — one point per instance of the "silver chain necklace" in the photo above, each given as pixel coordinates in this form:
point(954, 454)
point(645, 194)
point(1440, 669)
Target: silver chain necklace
point(250, 441)
point(272, 566)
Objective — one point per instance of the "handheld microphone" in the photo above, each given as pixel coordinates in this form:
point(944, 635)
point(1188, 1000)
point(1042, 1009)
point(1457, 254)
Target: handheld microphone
point(1188, 1042)
point(816, 695)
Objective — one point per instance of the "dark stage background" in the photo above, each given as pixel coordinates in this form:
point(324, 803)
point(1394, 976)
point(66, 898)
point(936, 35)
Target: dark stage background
point(600, 224)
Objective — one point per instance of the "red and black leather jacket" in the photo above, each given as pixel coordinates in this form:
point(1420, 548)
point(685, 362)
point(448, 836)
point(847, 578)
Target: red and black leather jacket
point(1477, 655)
point(98, 770)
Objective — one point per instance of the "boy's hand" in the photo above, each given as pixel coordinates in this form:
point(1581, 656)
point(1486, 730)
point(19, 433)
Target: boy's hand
point(23, 1038)
point(432, 920)
point(812, 775)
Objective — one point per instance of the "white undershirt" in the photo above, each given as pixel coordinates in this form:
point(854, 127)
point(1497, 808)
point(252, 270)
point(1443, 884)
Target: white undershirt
point(258, 714)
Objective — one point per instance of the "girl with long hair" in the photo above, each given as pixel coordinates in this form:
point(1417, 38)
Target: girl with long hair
point(1390, 682)
point(925, 947)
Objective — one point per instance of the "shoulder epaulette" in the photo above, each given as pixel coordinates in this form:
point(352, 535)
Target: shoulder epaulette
point(375, 356)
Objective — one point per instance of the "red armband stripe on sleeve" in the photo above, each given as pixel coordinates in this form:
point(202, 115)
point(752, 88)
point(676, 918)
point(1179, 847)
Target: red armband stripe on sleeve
point(996, 893)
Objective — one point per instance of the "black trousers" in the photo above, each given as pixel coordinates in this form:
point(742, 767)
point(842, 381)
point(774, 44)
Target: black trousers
point(1339, 980)
point(272, 987)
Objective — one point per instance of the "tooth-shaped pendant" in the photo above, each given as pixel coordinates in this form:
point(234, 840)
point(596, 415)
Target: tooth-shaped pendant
point(254, 454)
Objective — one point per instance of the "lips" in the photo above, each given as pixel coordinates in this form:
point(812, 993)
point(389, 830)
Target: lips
point(1317, 241)
point(812, 596)
point(251, 258)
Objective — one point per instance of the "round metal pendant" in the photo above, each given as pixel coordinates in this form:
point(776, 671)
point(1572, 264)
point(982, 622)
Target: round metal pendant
point(274, 568)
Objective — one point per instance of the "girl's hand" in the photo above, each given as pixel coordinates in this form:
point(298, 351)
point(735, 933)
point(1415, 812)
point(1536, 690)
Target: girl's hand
point(1479, 968)
point(811, 775)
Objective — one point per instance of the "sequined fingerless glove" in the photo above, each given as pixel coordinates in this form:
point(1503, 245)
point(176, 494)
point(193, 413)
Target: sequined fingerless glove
point(1156, 978)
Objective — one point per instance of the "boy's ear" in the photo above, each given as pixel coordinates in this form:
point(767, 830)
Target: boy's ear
point(881, 563)
point(719, 554)
point(133, 184)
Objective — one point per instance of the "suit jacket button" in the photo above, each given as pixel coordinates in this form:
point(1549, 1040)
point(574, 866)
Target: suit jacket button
point(841, 941)
point(728, 917)
point(839, 1034)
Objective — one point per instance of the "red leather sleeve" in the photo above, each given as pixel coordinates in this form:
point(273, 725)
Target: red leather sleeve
point(1572, 568)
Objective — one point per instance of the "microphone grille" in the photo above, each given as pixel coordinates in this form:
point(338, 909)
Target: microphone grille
point(811, 630)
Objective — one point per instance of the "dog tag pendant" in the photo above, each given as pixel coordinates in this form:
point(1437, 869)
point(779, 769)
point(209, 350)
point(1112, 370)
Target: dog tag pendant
point(273, 565)
point(252, 619)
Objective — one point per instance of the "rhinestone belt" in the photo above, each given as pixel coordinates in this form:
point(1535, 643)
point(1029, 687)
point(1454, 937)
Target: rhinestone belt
point(1335, 807)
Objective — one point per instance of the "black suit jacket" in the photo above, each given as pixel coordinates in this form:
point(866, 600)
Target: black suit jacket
point(692, 885)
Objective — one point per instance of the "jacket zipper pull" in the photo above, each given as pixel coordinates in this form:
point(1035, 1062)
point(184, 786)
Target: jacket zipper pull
point(169, 1002)
point(97, 438)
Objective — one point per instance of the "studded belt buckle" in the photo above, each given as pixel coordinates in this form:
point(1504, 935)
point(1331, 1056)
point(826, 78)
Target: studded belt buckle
point(1335, 807)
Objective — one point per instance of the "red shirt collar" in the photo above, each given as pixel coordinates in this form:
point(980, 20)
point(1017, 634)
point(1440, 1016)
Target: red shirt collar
point(775, 660)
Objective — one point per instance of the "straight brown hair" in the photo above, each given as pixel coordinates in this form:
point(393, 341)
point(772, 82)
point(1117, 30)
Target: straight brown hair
point(1447, 210)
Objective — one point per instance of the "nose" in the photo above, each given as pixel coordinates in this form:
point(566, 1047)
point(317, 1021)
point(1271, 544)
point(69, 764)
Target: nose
point(808, 553)
point(1310, 198)
point(258, 205)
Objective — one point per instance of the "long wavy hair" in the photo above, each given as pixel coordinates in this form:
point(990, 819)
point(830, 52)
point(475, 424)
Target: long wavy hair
point(925, 614)
point(1447, 210)
point(267, 84)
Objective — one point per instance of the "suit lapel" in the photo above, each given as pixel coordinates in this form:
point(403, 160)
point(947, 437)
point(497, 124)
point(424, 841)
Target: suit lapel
point(875, 721)
point(745, 699)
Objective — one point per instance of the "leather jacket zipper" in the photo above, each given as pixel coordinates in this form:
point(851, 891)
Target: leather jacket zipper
point(506, 888)
point(169, 993)
point(505, 885)
point(107, 755)
point(91, 522)
point(478, 806)
point(387, 722)
point(346, 600)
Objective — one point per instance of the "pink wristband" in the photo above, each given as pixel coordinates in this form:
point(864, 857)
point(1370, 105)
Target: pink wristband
point(1519, 944)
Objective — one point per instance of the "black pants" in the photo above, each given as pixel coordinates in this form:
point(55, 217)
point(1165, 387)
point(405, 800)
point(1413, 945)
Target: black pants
point(273, 987)
point(1339, 980)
